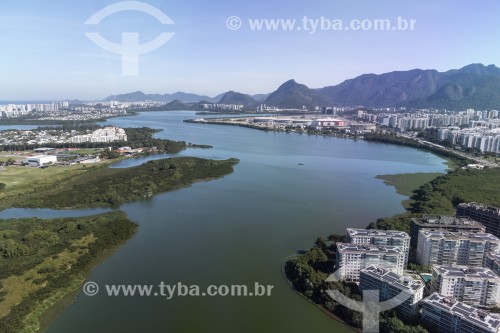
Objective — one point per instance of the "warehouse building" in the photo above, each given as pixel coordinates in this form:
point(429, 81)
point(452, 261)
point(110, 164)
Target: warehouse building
point(41, 160)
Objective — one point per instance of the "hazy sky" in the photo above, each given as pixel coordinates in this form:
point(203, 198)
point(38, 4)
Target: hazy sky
point(46, 55)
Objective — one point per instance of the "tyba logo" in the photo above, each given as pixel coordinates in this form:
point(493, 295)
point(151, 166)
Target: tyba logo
point(129, 49)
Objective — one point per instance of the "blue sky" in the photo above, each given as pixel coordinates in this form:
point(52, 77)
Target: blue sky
point(46, 55)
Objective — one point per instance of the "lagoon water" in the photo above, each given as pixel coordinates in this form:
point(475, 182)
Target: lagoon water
point(238, 229)
point(18, 127)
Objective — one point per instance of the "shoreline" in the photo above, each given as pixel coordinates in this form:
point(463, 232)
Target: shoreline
point(406, 183)
point(450, 156)
point(51, 313)
point(318, 306)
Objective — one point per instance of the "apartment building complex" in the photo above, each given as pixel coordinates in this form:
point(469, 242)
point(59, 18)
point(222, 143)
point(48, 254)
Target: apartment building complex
point(106, 134)
point(488, 216)
point(476, 286)
point(455, 248)
point(351, 258)
point(445, 223)
point(394, 238)
point(396, 288)
point(492, 261)
point(443, 315)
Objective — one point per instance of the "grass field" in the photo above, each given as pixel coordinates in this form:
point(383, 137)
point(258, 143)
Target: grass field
point(19, 176)
point(20, 180)
point(89, 151)
point(100, 186)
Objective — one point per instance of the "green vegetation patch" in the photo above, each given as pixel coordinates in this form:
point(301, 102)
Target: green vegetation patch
point(441, 196)
point(444, 193)
point(43, 260)
point(110, 187)
point(407, 183)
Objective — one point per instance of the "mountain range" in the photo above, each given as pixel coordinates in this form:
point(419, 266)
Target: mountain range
point(473, 86)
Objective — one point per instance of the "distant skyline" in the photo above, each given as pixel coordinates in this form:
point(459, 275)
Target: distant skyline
point(46, 55)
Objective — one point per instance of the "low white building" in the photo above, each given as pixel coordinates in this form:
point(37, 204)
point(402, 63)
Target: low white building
point(264, 120)
point(41, 160)
point(327, 123)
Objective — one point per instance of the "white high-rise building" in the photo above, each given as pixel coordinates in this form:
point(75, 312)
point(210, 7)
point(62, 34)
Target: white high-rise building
point(477, 286)
point(351, 258)
point(443, 315)
point(395, 238)
point(455, 248)
point(391, 286)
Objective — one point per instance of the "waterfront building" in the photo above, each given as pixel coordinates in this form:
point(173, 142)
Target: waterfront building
point(492, 261)
point(455, 248)
point(443, 315)
point(400, 289)
point(395, 238)
point(476, 286)
point(445, 223)
point(488, 216)
point(351, 258)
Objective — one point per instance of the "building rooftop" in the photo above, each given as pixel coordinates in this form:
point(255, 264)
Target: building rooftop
point(493, 256)
point(481, 318)
point(399, 281)
point(485, 237)
point(465, 271)
point(348, 247)
point(476, 206)
point(327, 119)
point(43, 149)
point(376, 232)
point(446, 221)
point(38, 157)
